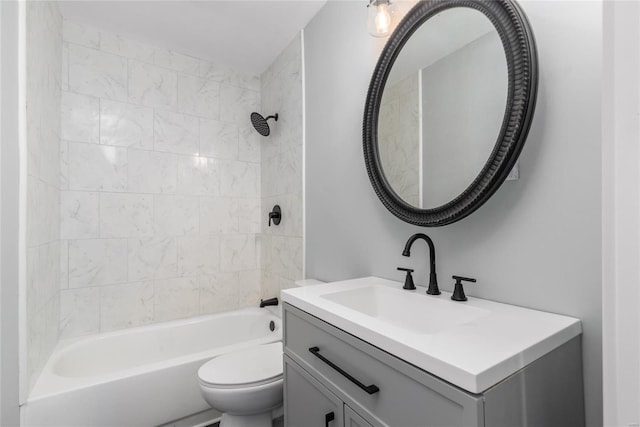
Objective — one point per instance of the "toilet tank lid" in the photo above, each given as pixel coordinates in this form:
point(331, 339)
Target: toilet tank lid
point(247, 366)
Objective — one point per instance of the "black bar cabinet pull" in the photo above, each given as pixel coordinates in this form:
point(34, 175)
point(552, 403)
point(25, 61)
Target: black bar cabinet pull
point(328, 418)
point(371, 389)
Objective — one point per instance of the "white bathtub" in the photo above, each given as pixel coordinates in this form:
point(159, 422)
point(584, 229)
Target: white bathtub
point(142, 376)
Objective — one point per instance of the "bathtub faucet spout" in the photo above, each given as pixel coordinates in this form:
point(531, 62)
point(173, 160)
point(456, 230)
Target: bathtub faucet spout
point(270, 301)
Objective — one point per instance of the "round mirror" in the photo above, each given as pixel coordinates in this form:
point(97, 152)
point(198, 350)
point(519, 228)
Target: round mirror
point(449, 107)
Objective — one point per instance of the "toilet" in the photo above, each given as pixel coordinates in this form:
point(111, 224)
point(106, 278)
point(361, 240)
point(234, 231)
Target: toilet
point(244, 385)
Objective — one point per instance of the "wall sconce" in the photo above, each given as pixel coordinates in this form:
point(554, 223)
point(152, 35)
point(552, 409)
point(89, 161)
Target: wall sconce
point(379, 17)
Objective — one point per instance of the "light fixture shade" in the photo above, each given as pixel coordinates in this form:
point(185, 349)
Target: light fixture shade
point(380, 18)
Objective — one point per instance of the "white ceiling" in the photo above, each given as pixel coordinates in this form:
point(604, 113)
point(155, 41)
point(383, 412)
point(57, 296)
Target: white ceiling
point(246, 35)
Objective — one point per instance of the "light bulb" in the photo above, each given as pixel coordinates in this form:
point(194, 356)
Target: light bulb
point(379, 17)
point(383, 19)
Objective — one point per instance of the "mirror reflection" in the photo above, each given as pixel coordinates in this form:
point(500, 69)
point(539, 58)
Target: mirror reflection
point(442, 108)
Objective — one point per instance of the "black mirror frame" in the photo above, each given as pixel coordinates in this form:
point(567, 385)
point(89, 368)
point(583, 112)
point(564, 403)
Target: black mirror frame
point(522, 64)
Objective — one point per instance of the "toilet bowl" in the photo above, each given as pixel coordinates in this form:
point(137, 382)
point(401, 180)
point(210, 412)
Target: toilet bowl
point(245, 385)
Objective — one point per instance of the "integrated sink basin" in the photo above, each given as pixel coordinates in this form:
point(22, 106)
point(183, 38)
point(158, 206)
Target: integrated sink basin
point(473, 344)
point(416, 312)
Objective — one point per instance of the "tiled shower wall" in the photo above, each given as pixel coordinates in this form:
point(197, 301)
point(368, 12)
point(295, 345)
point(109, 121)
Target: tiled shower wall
point(281, 183)
point(160, 176)
point(400, 129)
point(43, 53)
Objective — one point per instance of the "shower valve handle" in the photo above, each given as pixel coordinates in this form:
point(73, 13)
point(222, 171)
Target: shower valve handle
point(275, 215)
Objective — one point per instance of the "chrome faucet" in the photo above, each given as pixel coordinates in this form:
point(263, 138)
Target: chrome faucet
point(433, 280)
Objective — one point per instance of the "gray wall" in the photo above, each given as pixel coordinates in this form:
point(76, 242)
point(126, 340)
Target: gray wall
point(536, 243)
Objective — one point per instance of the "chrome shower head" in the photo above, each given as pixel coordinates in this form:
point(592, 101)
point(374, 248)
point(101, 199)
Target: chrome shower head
point(260, 123)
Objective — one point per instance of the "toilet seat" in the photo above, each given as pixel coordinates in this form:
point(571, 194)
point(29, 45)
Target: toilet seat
point(250, 367)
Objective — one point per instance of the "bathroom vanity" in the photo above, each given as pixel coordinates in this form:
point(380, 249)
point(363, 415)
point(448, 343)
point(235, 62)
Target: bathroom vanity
point(349, 360)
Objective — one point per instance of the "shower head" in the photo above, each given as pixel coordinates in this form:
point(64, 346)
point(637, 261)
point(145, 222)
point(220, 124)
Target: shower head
point(260, 123)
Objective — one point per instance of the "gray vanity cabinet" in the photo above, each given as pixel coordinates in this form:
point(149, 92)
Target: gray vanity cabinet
point(351, 419)
point(407, 396)
point(307, 402)
point(328, 371)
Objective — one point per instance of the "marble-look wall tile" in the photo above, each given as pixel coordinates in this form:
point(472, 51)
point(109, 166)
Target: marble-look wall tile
point(126, 305)
point(265, 252)
point(162, 204)
point(64, 76)
point(81, 34)
point(249, 149)
point(176, 61)
point(37, 354)
point(198, 255)
point(79, 215)
point(218, 292)
point(118, 45)
point(43, 78)
point(286, 256)
point(47, 274)
point(152, 86)
point(229, 76)
point(176, 133)
point(238, 253)
point(399, 126)
point(96, 262)
point(248, 288)
point(152, 172)
point(126, 215)
point(32, 282)
point(79, 312)
point(240, 179)
point(64, 264)
point(198, 176)
point(36, 217)
point(126, 125)
point(238, 103)
point(270, 284)
point(218, 215)
point(80, 118)
point(152, 258)
point(270, 150)
point(176, 215)
point(176, 298)
point(290, 55)
point(218, 139)
point(96, 73)
point(64, 164)
point(198, 96)
point(281, 172)
point(42, 212)
point(97, 168)
point(249, 218)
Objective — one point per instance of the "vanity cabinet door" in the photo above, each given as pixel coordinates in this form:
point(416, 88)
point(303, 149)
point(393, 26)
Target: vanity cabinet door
point(351, 419)
point(307, 403)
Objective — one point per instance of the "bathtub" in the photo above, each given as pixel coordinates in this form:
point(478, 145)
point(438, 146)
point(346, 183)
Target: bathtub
point(143, 376)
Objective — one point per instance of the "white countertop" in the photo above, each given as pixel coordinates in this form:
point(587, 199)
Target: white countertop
point(473, 355)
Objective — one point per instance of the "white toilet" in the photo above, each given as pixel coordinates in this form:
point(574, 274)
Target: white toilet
point(245, 385)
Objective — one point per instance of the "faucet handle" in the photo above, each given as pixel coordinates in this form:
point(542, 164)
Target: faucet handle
point(408, 281)
point(275, 215)
point(458, 291)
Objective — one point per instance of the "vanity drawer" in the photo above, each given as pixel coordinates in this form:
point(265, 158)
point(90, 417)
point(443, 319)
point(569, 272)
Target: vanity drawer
point(405, 395)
